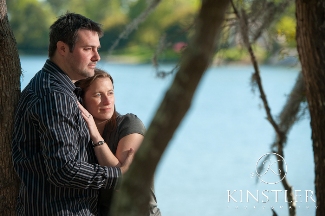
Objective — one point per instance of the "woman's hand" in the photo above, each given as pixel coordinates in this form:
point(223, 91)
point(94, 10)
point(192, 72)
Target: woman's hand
point(94, 133)
point(128, 160)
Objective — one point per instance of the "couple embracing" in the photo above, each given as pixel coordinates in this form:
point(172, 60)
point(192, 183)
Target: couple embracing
point(70, 146)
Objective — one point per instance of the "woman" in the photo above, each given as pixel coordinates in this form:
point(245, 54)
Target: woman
point(120, 132)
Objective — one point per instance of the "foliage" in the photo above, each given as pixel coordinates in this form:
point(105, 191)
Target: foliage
point(240, 54)
point(282, 35)
point(172, 20)
point(286, 30)
point(113, 15)
point(141, 54)
point(58, 6)
point(232, 54)
point(30, 21)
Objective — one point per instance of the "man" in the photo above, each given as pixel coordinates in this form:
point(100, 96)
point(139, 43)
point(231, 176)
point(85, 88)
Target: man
point(52, 154)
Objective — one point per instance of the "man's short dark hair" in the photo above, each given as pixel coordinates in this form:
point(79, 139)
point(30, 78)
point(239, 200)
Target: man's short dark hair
point(66, 28)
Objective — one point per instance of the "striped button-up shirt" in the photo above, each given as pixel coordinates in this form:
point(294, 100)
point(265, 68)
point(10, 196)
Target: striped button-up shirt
point(51, 150)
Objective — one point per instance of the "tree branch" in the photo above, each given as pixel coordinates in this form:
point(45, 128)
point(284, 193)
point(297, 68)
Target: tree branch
point(135, 23)
point(281, 137)
point(267, 17)
point(289, 113)
point(133, 198)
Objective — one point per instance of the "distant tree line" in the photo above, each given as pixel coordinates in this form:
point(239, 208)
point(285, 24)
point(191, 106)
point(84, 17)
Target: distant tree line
point(169, 27)
point(30, 21)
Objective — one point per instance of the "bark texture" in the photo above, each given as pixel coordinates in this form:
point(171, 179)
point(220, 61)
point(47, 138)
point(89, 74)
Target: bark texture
point(133, 198)
point(311, 48)
point(10, 72)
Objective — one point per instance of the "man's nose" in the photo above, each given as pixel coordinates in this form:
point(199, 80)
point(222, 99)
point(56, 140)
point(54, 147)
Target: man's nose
point(96, 56)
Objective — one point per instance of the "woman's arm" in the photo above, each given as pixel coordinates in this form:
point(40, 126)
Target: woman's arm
point(104, 155)
point(130, 141)
point(125, 149)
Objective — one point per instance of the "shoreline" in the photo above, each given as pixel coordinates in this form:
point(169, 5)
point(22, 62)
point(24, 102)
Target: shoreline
point(290, 61)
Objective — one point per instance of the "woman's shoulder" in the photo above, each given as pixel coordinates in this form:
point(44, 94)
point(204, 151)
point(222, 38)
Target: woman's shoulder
point(127, 117)
point(130, 122)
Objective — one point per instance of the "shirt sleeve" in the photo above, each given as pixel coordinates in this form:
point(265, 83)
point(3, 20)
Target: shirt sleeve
point(64, 141)
point(130, 124)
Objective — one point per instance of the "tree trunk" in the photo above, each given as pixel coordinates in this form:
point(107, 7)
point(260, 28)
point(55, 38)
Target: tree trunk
point(10, 72)
point(311, 48)
point(133, 198)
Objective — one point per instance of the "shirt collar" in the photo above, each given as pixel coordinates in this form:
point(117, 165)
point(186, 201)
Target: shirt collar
point(59, 74)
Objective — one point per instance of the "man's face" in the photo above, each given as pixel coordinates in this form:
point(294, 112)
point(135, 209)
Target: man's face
point(81, 62)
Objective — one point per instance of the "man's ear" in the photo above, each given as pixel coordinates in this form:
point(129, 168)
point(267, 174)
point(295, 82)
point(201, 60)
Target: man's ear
point(62, 48)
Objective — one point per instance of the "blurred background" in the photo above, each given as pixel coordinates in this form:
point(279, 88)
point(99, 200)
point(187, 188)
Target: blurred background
point(171, 20)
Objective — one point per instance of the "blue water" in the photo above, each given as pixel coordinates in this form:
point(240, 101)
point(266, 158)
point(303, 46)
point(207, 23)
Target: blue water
point(219, 142)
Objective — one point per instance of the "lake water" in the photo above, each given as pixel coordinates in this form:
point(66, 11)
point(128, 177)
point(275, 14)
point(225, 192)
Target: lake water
point(216, 148)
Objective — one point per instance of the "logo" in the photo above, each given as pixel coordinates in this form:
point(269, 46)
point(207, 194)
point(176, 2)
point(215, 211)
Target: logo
point(271, 196)
point(267, 169)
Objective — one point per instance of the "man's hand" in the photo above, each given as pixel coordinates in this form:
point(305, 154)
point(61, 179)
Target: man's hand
point(125, 166)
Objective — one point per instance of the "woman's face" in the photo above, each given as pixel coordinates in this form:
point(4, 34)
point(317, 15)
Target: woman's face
point(99, 99)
